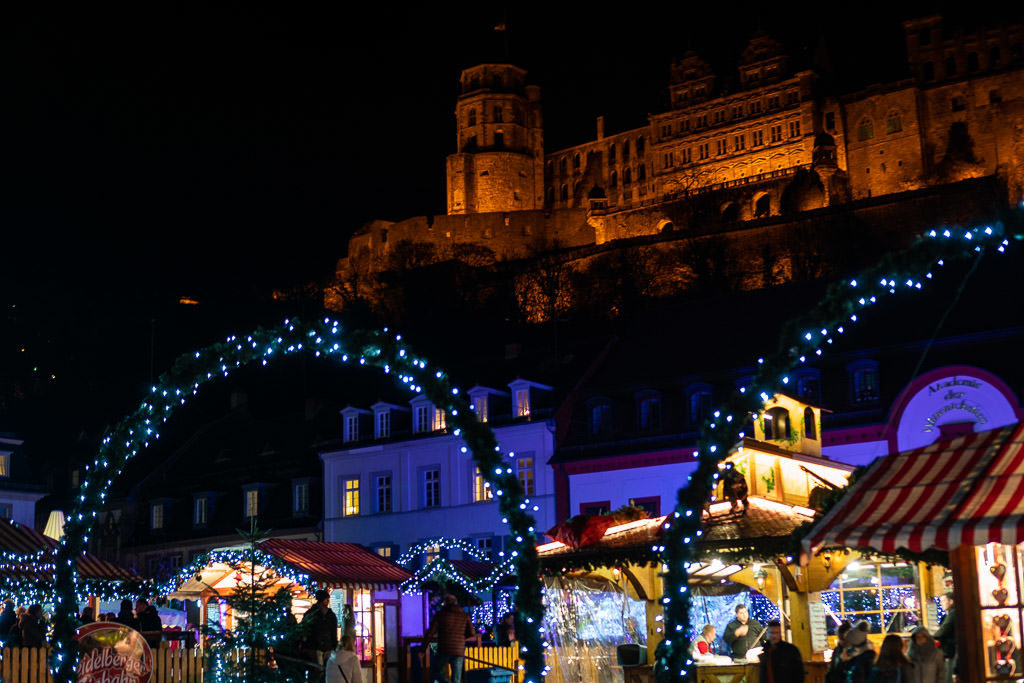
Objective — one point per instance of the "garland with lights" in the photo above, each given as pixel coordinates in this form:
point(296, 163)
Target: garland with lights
point(447, 571)
point(801, 338)
point(323, 338)
point(425, 547)
point(235, 557)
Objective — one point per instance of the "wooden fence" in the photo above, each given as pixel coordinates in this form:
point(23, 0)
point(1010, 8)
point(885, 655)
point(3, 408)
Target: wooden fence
point(28, 665)
point(417, 659)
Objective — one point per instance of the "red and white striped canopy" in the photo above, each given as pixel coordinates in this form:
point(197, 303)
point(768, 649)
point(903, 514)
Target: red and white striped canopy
point(968, 490)
point(24, 540)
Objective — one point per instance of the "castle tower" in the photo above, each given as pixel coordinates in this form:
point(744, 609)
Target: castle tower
point(499, 162)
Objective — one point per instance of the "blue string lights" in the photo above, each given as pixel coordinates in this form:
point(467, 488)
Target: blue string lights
point(380, 349)
point(802, 340)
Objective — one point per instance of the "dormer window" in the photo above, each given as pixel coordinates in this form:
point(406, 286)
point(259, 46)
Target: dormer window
point(600, 418)
point(523, 402)
point(351, 428)
point(156, 516)
point(5, 465)
point(699, 403)
point(525, 397)
point(383, 429)
point(426, 417)
point(648, 411)
point(776, 424)
point(863, 381)
point(251, 507)
point(480, 407)
point(201, 510)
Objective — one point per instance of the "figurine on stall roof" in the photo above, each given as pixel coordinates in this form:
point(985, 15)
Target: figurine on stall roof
point(735, 487)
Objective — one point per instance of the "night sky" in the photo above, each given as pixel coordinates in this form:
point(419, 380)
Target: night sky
point(152, 152)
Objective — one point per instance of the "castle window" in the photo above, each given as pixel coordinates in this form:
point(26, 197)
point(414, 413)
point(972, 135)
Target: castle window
point(950, 66)
point(613, 180)
point(773, 102)
point(565, 193)
point(640, 145)
point(740, 142)
point(928, 71)
point(472, 117)
point(499, 139)
point(972, 61)
point(894, 122)
point(550, 195)
point(993, 56)
point(763, 206)
point(866, 129)
point(755, 107)
point(863, 381)
point(776, 424)
point(687, 155)
point(793, 97)
point(756, 138)
point(625, 150)
point(737, 111)
point(562, 167)
point(641, 172)
point(611, 152)
point(721, 145)
point(627, 177)
point(810, 424)
point(830, 120)
point(957, 103)
point(776, 133)
point(794, 129)
point(668, 160)
point(576, 162)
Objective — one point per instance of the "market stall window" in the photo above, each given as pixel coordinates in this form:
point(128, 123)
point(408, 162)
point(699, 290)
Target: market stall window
point(999, 587)
point(885, 594)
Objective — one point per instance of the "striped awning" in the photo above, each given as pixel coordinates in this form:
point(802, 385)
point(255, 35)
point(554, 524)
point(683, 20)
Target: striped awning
point(969, 490)
point(337, 565)
point(24, 540)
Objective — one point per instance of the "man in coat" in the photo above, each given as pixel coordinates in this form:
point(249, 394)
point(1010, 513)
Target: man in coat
point(743, 633)
point(452, 627)
point(320, 629)
point(946, 635)
point(781, 662)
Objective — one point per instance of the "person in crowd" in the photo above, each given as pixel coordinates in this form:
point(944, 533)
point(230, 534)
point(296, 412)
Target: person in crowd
point(8, 618)
point(343, 665)
point(87, 616)
point(743, 633)
point(33, 628)
point(891, 665)
point(126, 616)
point(505, 633)
point(946, 635)
point(735, 488)
point(834, 673)
point(704, 645)
point(858, 655)
point(451, 626)
point(929, 665)
point(781, 662)
point(149, 624)
point(320, 629)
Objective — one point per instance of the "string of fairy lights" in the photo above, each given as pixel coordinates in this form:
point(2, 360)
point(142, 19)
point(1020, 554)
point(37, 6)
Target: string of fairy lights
point(234, 557)
point(802, 339)
point(381, 349)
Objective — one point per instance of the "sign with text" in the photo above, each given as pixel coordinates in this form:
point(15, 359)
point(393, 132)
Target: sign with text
point(956, 399)
point(819, 629)
point(113, 653)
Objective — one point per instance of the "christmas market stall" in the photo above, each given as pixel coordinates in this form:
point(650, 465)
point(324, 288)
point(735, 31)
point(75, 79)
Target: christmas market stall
point(963, 499)
point(603, 588)
point(363, 589)
point(27, 570)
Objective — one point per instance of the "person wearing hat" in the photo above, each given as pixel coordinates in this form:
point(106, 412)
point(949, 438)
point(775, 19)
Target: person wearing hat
point(320, 629)
point(858, 654)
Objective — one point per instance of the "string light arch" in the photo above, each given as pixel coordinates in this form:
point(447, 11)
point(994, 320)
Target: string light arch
point(381, 349)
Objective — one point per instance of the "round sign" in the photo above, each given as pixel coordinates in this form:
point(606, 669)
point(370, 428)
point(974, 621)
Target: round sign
point(113, 653)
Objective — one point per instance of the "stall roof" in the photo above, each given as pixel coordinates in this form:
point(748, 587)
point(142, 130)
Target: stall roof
point(337, 565)
point(965, 490)
point(21, 539)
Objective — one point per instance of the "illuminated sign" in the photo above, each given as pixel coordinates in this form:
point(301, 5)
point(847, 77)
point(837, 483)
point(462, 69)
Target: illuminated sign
point(113, 653)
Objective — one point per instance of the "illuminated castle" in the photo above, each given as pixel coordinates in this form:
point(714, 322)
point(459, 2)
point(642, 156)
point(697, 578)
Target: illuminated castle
point(769, 151)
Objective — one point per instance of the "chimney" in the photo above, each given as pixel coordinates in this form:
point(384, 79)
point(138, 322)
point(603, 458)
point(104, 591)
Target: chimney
point(600, 128)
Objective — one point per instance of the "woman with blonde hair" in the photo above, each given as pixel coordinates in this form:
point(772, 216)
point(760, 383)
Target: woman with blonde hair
point(343, 665)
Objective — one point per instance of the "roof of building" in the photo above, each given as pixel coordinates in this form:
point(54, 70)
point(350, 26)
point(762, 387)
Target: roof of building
point(337, 565)
point(24, 540)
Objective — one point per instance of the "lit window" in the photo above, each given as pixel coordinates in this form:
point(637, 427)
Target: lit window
point(439, 419)
point(300, 499)
point(156, 520)
point(485, 544)
point(480, 407)
point(384, 550)
point(481, 489)
point(352, 428)
point(431, 488)
point(522, 403)
point(5, 465)
point(776, 424)
point(351, 497)
point(252, 502)
point(383, 424)
point(382, 484)
point(524, 470)
point(885, 594)
point(202, 510)
point(431, 553)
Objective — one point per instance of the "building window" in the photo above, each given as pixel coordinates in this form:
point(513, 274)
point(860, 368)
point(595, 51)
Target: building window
point(499, 138)
point(866, 129)
point(600, 419)
point(700, 405)
point(924, 37)
point(830, 120)
point(792, 97)
point(480, 407)
point(383, 424)
point(649, 504)
point(894, 122)
point(611, 152)
point(614, 182)
point(431, 553)
point(524, 470)
point(993, 56)
point(422, 419)
point(687, 155)
point(776, 133)
point(640, 145)
point(756, 138)
point(351, 497)
point(562, 166)
point(958, 103)
point(810, 424)
point(739, 142)
point(576, 161)
point(596, 508)
point(485, 544)
point(431, 488)
point(156, 516)
point(794, 129)
point(864, 382)
point(481, 489)
point(808, 388)
point(300, 499)
point(252, 503)
point(352, 428)
point(755, 107)
point(703, 151)
point(5, 465)
point(522, 403)
point(5, 510)
point(773, 102)
point(472, 117)
point(995, 97)
point(721, 146)
point(382, 492)
point(886, 594)
point(972, 61)
point(625, 150)
point(499, 116)
point(763, 206)
point(649, 413)
point(641, 172)
point(202, 511)
point(564, 194)
point(385, 551)
point(950, 67)
point(627, 177)
point(776, 424)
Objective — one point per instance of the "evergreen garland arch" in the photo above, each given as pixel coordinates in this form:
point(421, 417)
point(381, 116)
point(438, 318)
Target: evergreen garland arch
point(802, 338)
point(380, 349)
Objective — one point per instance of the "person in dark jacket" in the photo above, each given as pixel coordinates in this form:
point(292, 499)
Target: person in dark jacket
point(781, 662)
point(946, 635)
point(150, 626)
point(858, 654)
point(743, 633)
point(505, 633)
point(320, 629)
point(929, 666)
point(33, 628)
point(8, 618)
point(452, 627)
point(835, 673)
point(735, 488)
point(126, 616)
point(891, 666)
